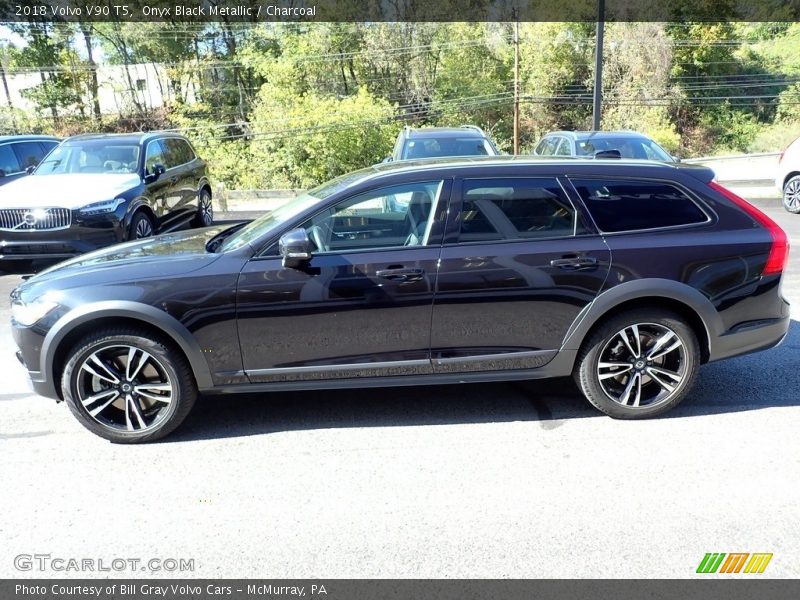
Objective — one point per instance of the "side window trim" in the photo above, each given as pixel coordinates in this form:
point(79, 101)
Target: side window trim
point(710, 215)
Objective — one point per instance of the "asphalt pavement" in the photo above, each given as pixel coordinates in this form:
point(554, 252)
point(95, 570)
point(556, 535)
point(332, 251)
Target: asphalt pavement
point(490, 480)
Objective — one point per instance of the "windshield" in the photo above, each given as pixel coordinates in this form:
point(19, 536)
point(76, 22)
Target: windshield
point(447, 146)
point(629, 147)
point(91, 156)
point(286, 212)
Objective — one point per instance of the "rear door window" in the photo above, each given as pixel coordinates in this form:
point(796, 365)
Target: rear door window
point(511, 209)
point(178, 152)
point(624, 205)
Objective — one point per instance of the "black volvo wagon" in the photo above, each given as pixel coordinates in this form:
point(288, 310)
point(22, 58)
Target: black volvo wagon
point(626, 275)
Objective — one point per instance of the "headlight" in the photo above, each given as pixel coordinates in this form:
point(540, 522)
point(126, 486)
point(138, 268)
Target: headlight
point(28, 314)
point(100, 208)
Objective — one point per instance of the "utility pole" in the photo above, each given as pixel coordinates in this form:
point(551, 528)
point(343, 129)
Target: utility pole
point(598, 65)
point(516, 82)
point(8, 94)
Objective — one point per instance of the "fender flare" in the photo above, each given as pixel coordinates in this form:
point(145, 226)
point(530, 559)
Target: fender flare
point(641, 289)
point(163, 321)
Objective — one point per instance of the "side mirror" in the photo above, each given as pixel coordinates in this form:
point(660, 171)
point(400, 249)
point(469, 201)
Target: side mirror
point(676, 158)
point(30, 169)
point(158, 171)
point(295, 248)
point(387, 159)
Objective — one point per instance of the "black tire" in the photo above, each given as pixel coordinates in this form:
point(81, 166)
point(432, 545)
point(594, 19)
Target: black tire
point(791, 195)
point(141, 226)
point(629, 386)
point(128, 415)
point(205, 210)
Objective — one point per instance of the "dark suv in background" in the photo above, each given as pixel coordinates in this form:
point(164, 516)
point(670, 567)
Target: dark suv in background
point(18, 153)
point(438, 142)
point(96, 190)
point(626, 274)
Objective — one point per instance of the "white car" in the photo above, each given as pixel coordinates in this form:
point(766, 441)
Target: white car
point(788, 179)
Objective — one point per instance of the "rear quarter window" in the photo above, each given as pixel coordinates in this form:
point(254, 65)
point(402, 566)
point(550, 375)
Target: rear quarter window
point(617, 205)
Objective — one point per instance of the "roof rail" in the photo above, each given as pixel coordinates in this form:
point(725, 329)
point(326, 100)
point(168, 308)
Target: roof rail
point(474, 127)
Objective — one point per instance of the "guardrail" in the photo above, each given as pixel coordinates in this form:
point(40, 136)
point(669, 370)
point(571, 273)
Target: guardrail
point(750, 175)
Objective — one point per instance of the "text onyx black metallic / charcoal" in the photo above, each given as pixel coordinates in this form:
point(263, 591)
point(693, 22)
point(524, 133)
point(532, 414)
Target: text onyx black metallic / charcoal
point(626, 275)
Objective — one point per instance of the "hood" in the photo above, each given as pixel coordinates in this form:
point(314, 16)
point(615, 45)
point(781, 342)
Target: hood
point(68, 190)
point(159, 257)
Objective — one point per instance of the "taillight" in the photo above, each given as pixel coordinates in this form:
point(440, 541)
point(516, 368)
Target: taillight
point(779, 252)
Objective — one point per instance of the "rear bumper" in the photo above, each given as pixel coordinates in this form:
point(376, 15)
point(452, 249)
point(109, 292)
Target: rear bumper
point(750, 337)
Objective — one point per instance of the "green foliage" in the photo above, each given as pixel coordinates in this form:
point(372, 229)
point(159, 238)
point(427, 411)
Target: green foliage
point(293, 104)
point(774, 138)
point(302, 141)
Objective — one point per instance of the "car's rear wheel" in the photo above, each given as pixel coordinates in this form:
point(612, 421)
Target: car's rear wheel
point(791, 195)
point(127, 386)
point(205, 210)
point(639, 364)
point(141, 226)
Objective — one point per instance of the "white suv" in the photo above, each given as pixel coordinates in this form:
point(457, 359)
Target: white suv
point(788, 180)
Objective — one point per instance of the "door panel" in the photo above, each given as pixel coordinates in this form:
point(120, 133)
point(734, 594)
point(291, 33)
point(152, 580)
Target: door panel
point(341, 310)
point(506, 297)
point(351, 311)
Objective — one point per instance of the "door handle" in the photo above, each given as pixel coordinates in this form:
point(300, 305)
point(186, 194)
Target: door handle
point(575, 263)
point(400, 274)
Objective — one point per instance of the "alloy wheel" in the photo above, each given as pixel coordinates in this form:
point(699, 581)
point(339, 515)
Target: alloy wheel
point(642, 365)
point(123, 387)
point(143, 229)
point(791, 195)
point(206, 210)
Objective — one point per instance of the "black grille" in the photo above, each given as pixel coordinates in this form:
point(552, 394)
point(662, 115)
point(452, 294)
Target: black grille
point(34, 219)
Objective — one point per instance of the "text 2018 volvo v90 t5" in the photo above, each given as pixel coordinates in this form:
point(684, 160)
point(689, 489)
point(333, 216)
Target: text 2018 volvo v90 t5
point(627, 275)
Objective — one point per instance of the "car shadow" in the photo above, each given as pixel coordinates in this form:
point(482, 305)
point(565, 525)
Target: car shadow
point(238, 415)
point(762, 380)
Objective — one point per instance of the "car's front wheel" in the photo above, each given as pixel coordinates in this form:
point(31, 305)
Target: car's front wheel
point(127, 386)
point(638, 364)
point(141, 227)
point(791, 195)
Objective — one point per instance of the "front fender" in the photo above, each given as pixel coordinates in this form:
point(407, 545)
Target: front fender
point(148, 315)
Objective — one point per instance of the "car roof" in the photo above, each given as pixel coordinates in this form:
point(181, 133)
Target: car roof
point(28, 138)
point(124, 137)
point(585, 135)
point(481, 166)
point(429, 132)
